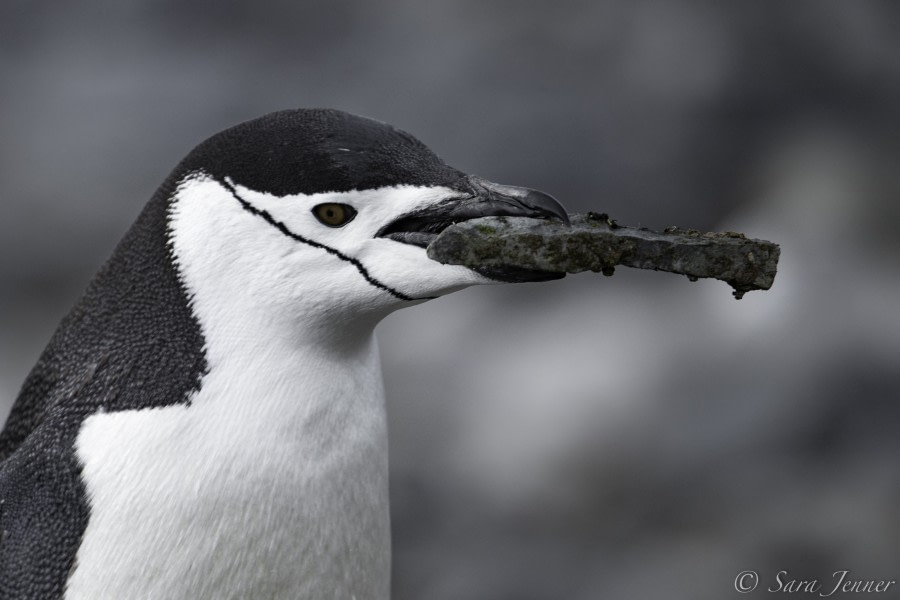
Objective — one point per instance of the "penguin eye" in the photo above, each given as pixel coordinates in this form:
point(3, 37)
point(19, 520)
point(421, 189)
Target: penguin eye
point(333, 214)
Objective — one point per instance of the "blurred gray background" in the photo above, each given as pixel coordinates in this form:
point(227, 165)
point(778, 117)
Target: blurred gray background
point(637, 436)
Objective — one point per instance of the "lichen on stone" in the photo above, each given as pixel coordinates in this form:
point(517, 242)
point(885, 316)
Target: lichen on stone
point(594, 242)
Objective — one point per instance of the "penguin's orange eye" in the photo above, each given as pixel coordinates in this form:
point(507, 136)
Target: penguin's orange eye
point(333, 214)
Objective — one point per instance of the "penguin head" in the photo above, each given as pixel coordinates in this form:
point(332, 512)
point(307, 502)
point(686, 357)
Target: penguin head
point(331, 212)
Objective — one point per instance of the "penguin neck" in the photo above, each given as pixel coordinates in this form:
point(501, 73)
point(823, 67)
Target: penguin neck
point(299, 390)
point(268, 370)
point(285, 442)
point(274, 346)
point(283, 439)
point(242, 330)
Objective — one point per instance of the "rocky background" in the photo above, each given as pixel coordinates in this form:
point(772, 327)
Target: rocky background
point(630, 437)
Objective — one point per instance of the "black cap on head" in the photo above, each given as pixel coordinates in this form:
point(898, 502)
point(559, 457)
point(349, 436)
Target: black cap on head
point(318, 150)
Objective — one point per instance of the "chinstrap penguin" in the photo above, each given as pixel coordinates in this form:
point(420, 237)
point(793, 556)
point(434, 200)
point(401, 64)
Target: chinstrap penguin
point(208, 422)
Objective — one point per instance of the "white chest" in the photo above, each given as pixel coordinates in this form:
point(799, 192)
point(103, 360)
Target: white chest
point(270, 485)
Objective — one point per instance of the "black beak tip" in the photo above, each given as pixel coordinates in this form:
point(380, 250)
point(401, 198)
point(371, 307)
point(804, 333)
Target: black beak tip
point(546, 204)
point(521, 201)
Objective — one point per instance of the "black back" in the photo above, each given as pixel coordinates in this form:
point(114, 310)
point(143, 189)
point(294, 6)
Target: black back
point(132, 342)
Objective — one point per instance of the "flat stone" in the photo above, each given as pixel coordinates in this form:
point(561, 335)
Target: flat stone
point(593, 242)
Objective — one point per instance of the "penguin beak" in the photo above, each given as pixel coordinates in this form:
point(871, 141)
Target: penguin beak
point(483, 199)
point(495, 200)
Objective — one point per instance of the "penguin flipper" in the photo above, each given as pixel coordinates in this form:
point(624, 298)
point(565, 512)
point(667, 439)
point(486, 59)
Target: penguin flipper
point(43, 506)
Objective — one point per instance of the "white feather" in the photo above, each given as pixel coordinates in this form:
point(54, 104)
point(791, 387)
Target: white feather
point(272, 482)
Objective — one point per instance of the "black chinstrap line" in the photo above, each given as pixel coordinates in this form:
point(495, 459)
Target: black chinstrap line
point(268, 218)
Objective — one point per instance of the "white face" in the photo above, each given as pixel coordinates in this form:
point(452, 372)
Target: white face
point(273, 252)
